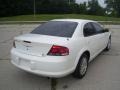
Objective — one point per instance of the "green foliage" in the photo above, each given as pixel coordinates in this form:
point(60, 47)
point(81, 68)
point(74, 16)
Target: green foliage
point(114, 6)
point(82, 8)
point(23, 7)
point(94, 8)
point(15, 7)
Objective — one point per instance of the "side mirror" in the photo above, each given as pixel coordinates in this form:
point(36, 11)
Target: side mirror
point(106, 30)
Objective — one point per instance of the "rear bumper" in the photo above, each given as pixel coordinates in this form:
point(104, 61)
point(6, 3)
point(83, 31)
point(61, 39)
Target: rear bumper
point(49, 66)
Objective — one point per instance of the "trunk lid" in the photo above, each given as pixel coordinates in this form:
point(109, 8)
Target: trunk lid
point(38, 45)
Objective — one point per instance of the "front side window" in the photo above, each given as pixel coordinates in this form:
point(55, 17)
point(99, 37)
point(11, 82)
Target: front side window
point(88, 30)
point(97, 27)
point(56, 28)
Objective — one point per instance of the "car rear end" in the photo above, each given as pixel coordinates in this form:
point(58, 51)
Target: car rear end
point(45, 53)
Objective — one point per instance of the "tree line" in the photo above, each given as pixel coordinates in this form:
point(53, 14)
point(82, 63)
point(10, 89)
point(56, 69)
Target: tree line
point(24, 7)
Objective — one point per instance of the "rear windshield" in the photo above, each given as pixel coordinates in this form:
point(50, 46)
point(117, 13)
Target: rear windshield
point(56, 28)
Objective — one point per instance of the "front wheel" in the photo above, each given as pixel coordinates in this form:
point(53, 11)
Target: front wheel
point(81, 68)
point(108, 45)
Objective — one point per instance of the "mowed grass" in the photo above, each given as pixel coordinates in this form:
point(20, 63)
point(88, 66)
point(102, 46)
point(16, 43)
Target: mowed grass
point(46, 17)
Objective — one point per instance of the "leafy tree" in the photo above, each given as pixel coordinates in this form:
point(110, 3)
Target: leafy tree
point(83, 8)
point(54, 6)
point(94, 8)
point(15, 7)
point(21, 7)
point(115, 5)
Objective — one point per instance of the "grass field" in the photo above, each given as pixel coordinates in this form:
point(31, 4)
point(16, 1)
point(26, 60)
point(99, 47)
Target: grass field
point(46, 17)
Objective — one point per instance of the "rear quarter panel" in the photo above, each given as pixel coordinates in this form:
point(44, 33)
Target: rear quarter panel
point(76, 46)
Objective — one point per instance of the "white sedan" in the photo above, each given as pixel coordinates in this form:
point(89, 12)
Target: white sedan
point(60, 47)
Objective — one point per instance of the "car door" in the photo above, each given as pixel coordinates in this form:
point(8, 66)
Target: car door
point(91, 38)
point(100, 35)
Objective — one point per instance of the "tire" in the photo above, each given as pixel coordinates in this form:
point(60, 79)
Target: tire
point(81, 68)
point(108, 45)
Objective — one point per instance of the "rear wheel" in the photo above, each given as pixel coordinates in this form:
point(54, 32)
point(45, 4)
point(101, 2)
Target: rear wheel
point(81, 68)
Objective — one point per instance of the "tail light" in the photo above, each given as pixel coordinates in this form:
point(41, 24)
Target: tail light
point(14, 44)
point(58, 51)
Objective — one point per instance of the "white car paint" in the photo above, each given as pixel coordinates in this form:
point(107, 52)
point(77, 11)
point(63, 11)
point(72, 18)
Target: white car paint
point(33, 57)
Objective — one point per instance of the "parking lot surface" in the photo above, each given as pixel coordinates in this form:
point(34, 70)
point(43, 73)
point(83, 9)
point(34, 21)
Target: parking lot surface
point(103, 72)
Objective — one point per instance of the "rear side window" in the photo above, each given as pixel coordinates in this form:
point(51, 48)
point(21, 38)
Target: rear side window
point(56, 28)
point(88, 30)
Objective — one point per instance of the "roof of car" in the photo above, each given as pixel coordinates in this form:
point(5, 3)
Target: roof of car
point(74, 20)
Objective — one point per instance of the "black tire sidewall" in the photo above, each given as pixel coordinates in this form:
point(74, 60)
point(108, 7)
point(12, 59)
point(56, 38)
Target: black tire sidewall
point(77, 73)
point(108, 48)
